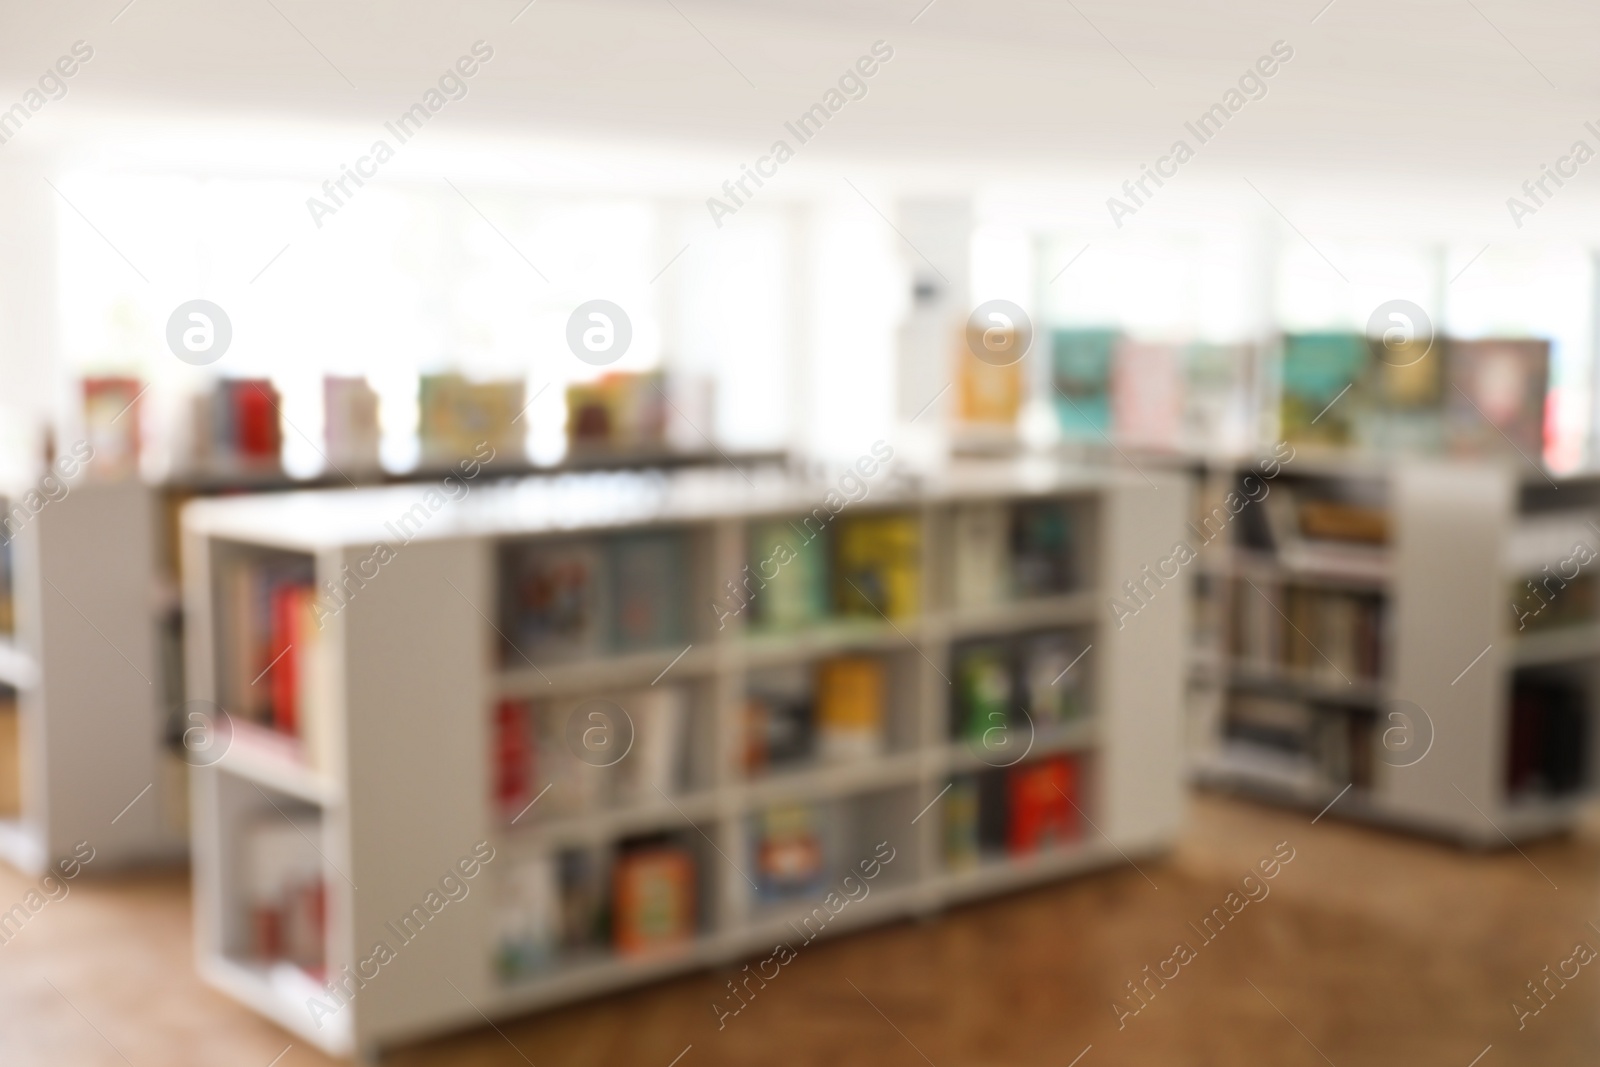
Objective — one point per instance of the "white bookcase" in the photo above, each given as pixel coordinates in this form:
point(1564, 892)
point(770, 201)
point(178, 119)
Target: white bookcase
point(84, 666)
point(413, 680)
point(1464, 535)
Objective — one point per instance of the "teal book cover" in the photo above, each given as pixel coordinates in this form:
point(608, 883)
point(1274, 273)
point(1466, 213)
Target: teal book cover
point(1317, 368)
point(1080, 365)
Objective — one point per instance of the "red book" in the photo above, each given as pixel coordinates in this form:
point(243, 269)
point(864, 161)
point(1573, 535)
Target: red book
point(255, 419)
point(513, 754)
point(1043, 796)
point(288, 609)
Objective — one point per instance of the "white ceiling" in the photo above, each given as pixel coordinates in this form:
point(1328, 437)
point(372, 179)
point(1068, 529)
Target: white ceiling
point(1413, 97)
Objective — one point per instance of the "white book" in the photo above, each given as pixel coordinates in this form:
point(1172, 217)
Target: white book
point(981, 552)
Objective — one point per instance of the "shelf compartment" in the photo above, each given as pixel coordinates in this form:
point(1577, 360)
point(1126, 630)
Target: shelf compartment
point(17, 668)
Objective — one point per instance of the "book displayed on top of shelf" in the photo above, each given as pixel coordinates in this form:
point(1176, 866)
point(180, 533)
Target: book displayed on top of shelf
point(1317, 367)
point(1147, 397)
point(987, 394)
point(878, 566)
point(456, 417)
point(1080, 363)
point(1496, 395)
point(618, 411)
point(350, 423)
point(1219, 408)
point(239, 425)
point(111, 419)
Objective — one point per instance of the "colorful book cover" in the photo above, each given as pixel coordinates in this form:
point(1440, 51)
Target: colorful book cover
point(986, 394)
point(1042, 796)
point(794, 571)
point(648, 574)
point(456, 417)
point(618, 411)
point(1147, 393)
point(1042, 548)
point(789, 850)
point(554, 602)
point(983, 694)
point(778, 720)
point(528, 919)
point(1080, 362)
point(878, 566)
point(653, 894)
point(851, 693)
point(1317, 369)
point(1496, 396)
point(111, 423)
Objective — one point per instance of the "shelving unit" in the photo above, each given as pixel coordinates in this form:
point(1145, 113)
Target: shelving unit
point(1511, 715)
point(91, 656)
point(418, 671)
point(81, 660)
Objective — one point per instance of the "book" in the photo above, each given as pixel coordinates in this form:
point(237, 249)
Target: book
point(789, 850)
point(878, 566)
point(1219, 404)
point(789, 574)
point(982, 553)
point(653, 891)
point(649, 572)
point(528, 918)
point(1080, 365)
point(270, 642)
point(961, 850)
point(285, 892)
point(657, 762)
point(1043, 548)
point(987, 394)
point(1317, 369)
point(983, 694)
point(1147, 393)
point(350, 431)
point(512, 769)
point(457, 417)
point(111, 419)
point(619, 411)
point(1056, 696)
point(582, 878)
point(1041, 797)
point(1496, 396)
point(553, 600)
point(851, 694)
point(778, 720)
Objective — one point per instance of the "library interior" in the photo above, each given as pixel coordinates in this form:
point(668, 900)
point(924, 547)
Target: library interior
point(1014, 479)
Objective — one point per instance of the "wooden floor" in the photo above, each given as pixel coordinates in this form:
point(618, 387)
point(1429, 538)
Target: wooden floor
point(1372, 949)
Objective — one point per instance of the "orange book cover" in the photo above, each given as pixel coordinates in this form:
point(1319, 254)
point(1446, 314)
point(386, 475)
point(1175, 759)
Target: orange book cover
point(653, 894)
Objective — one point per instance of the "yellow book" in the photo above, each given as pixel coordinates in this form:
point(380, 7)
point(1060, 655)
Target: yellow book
point(850, 703)
point(879, 568)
